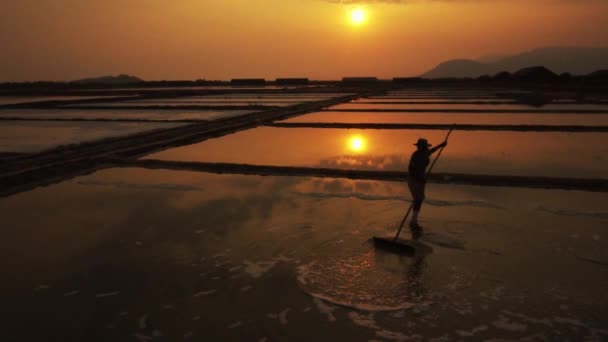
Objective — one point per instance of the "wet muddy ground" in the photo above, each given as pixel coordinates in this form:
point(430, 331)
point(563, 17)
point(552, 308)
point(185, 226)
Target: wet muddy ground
point(97, 248)
point(184, 255)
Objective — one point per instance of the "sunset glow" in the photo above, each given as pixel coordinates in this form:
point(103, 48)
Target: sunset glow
point(356, 143)
point(357, 16)
point(220, 40)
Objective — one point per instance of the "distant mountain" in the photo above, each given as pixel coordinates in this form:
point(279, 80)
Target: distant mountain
point(573, 60)
point(110, 80)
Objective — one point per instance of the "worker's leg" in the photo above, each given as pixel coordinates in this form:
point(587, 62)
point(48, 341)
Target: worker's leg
point(417, 189)
point(416, 210)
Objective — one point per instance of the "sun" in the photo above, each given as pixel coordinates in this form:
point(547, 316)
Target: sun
point(356, 143)
point(357, 16)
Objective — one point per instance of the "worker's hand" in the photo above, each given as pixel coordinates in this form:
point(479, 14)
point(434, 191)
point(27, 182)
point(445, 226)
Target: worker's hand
point(445, 143)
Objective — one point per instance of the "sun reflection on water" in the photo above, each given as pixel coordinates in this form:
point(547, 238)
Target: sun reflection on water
point(357, 143)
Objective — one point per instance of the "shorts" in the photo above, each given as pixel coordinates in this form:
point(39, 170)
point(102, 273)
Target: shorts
point(417, 189)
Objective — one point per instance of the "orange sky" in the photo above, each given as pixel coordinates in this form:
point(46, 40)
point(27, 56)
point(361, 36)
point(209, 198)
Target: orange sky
point(223, 39)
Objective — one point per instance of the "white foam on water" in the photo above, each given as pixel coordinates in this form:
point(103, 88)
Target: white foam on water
point(573, 212)
point(358, 284)
point(283, 316)
point(107, 294)
point(398, 314)
point(71, 293)
point(221, 264)
point(246, 288)
point(366, 321)
point(143, 338)
point(258, 269)
point(364, 307)
point(495, 294)
point(397, 336)
point(505, 324)
point(542, 321)
point(283, 258)
point(143, 321)
point(404, 198)
point(204, 293)
point(327, 310)
point(235, 325)
point(463, 333)
point(595, 332)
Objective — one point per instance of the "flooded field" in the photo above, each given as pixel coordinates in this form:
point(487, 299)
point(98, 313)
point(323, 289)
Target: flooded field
point(99, 250)
point(28, 137)
point(459, 118)
point(178, 104)
point(117, 114)
point(373, 99)
point(503, 153)
point(478, 107)
point(222, 100)
point(7, 100)
point(184, 255)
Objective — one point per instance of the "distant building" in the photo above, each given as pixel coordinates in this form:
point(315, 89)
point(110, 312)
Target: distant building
point(248, 82)
point(292, 81)
point(359, 80)
point(407, 80)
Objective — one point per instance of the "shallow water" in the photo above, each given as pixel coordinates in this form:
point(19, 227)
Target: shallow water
point(223, 257)
point(449, 96)
point(29, 136)
point(176, 104)
point(439, 100)
point(490, 107)
point(5, 100)
point(504, 153)
point(273, 95)
point(460, 118)
point(145, 114)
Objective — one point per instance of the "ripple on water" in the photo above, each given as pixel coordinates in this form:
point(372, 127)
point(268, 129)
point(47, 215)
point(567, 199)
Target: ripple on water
point(368, 282)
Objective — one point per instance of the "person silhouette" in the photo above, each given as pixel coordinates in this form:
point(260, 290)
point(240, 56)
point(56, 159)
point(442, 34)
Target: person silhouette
point(416, 179)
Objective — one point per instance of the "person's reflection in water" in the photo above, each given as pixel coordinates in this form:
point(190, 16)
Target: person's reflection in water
point(414, 276)
point(413, 266)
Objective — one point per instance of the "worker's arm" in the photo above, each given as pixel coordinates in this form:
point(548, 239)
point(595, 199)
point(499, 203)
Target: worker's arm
point(436, 148)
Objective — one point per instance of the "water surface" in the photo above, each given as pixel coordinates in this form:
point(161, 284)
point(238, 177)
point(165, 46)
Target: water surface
point(29, 136)
point(459, 118)
point(490, 107)
point(481, 152)
point(110, 114)
point(182, 255)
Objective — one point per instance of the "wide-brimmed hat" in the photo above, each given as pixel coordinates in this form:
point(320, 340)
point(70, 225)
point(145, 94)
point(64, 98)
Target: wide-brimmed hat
point(423, 142)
